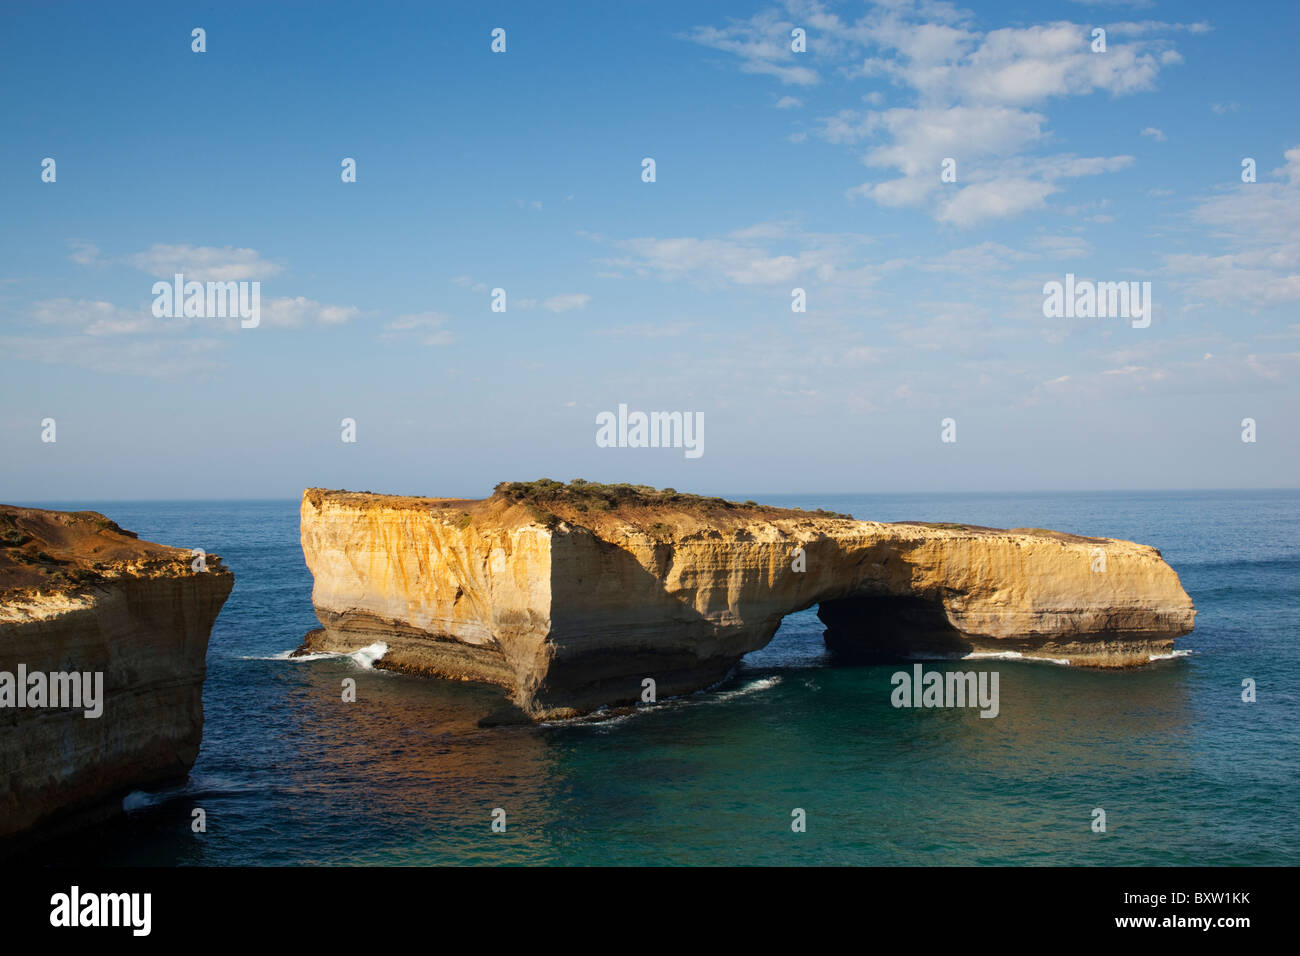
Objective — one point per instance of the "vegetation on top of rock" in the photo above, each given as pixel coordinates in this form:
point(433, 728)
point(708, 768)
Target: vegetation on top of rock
point(106, 524)
point(13, 538)
point(592, 496)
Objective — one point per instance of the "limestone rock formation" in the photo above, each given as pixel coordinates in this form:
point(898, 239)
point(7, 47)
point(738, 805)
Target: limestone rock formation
point(80, 595)
point(570, 596)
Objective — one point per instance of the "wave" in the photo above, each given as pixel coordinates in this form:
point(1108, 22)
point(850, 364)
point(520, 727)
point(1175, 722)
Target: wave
point(1006, 656)
point(196, 787)
point(139, 800)
point(607, 718)
point(601, 718)
point(1017, 656)
point(364, 658)
point(753, 687)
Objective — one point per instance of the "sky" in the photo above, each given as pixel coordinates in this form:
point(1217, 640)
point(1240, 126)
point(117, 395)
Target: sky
point(522, 170)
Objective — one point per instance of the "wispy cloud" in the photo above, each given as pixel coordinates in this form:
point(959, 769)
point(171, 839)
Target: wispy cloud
point(84, 253)
point(104, 337)
point(298, 311)
point(92, 317)
point(566, 302)
point(762, 43)
point(423, 328)
point(1256, 222)
point(764, 254)
point(204, 263)
point(979, 97)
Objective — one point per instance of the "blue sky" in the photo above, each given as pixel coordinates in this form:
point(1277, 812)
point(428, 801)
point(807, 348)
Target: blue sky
point(522, 170)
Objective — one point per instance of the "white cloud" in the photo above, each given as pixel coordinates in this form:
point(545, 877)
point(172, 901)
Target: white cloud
point(789, 103)
point(104, 337)
point(83, 253)
point(1156, 134)
point(765, 254)
point(566, 301)
point(762, 44)
point(563, 302)
point(1014, 66)
point(718, 261)
point(1257, 223)
point(979, 259)
point(1146, 27)
point(655, 330)
point(295, 312)
point(162, 358)
point(204, 263)
point(94, 318)
point(1194, 375)
point(425, 328)
point(979, 97)
point(999, 199)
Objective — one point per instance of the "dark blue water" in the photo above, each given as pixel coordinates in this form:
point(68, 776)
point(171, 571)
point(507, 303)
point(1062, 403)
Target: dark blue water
point(1186, 772)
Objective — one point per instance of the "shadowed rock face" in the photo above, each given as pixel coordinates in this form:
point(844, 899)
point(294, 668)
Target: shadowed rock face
point(570, 604)
point(77, 593)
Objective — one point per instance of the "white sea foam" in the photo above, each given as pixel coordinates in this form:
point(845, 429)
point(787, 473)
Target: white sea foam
point(288, 656)
point(364, 658)
point(1011, 656)
point(598, 718)
point(753, 687)
point(1170, 656)
point(604, 719)
point(139, 800)
point(197, 785)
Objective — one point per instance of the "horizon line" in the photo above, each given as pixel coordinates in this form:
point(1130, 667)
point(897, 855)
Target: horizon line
point(735, 497)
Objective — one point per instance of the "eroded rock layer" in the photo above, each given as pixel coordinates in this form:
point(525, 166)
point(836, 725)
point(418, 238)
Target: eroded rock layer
point(80, 595)
point(570, 596)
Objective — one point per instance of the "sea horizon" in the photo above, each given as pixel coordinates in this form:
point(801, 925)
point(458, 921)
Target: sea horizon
point(729, 495)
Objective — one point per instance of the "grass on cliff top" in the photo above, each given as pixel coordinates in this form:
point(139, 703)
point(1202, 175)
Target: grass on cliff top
point(44, 551)
point(590, 496)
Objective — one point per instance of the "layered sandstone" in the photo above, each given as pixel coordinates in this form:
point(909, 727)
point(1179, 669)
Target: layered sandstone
point(79, 594)
point(570, 596)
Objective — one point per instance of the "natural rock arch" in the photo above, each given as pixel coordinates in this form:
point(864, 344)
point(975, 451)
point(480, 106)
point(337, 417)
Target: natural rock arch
point(571, 606)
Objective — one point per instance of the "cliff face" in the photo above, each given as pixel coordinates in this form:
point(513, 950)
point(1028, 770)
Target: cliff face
point(79, 595)
point(570, 602)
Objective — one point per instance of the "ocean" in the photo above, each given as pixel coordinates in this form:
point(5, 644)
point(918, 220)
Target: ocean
point(1186, 772)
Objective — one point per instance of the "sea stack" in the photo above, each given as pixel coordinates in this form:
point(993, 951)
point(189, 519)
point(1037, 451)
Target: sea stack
point(570, 596)
point(109, 635)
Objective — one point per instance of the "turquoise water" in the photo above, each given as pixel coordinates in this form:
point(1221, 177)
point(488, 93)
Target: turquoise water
point(1186, 772)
